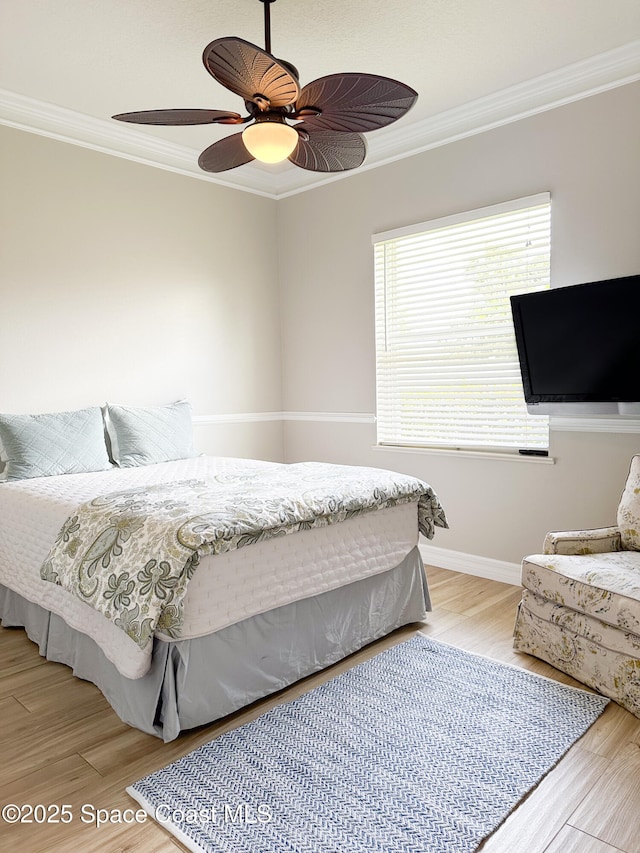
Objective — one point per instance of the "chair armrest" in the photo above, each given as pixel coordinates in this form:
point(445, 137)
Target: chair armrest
point(601, 540)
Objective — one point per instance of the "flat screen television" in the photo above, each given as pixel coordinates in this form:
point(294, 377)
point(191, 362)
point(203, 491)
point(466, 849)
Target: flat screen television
point(579, 347)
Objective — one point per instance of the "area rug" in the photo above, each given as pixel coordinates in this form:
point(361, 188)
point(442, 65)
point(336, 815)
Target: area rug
point(424, 748)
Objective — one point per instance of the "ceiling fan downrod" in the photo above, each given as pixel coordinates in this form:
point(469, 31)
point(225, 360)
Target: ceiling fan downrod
point(267, 24)
point(267, 39)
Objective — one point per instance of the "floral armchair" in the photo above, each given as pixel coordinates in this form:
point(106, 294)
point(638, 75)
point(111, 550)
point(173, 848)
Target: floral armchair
point(580, 607)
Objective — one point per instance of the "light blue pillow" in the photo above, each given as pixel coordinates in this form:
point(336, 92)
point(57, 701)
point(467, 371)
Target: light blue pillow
point(52, 443)
point(145, 436)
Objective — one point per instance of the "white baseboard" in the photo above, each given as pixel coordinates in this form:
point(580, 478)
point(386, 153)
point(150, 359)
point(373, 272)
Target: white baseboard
point(471, 564)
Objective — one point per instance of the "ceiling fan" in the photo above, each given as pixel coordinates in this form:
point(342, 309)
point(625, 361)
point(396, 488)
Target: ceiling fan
point(330, 113)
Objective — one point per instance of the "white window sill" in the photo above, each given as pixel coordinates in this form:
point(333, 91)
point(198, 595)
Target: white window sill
point(475, 454)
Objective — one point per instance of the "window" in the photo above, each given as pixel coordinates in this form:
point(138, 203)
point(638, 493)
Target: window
point(447, 368)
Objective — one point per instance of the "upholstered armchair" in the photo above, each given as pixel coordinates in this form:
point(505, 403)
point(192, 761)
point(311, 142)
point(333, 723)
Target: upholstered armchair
point(580, 607)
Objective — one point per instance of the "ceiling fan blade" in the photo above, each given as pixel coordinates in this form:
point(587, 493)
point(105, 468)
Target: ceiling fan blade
point(249, 71)
point(328, 151)
point(355, 102)
point(225, 154)
point(180, 117)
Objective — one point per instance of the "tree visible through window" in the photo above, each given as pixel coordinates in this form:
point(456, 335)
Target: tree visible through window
point(447, 366)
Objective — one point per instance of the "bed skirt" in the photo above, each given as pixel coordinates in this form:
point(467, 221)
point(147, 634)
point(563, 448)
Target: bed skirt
point(194, 682)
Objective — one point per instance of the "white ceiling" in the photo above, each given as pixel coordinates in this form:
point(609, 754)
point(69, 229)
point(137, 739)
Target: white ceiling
point(67, 65)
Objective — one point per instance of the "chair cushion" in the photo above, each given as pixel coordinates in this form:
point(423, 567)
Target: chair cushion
point(606, 586)
point(629, 509)
point(596, 654)
point(599, 633)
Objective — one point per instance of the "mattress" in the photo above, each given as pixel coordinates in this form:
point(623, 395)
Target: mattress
point(226, 588)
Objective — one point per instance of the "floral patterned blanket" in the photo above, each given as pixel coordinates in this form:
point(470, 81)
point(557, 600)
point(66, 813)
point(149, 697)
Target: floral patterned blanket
point(131, 554)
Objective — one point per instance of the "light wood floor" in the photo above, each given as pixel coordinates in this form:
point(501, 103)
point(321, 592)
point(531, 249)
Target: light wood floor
point(62, 743)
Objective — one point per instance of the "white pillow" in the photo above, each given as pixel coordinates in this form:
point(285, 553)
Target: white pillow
point(52, 443)
point(144, 436)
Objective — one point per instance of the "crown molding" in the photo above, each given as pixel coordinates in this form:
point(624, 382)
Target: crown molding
point(120, 140)
point(583, 79)
point(616, 67)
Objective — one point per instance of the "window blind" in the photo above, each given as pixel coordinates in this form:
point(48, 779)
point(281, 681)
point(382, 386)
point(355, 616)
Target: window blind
point(447, 369)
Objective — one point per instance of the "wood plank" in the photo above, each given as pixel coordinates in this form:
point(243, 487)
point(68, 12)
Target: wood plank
point(33, 748)
point(493, 639)
point(570, 840)
point(534, 824)
point(65, 777)
point(12, 714)
point(13, 637)
point(144, 839)
point(461, 593)
point(440, 620)
point(64, 695)
point(17, 652)
point(124, 750)
point(620, 784)
point(612, 732)
point(505, 595)
point(28, 680)
point(39, 726)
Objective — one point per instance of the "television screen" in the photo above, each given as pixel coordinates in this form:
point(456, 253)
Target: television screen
point(580, 343)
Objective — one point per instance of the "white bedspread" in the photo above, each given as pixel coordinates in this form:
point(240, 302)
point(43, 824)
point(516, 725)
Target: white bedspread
point(226, 588)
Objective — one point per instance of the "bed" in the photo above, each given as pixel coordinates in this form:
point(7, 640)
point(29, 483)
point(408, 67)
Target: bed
point(252, 620)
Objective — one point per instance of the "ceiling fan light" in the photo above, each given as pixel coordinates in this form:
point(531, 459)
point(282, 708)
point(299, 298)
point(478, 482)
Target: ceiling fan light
point(270, 141)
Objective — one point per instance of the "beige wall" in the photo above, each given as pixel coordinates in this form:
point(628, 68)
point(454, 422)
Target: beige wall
point(126, 283)
point(587, 155)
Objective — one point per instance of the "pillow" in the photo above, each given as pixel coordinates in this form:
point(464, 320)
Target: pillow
point(144, 436)
point(53, 443)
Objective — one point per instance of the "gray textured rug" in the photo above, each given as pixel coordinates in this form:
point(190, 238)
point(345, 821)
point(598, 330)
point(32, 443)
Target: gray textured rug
point(424, 748)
